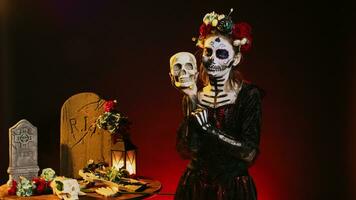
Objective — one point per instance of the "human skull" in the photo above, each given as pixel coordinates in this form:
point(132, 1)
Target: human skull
point(183, 69)
point(218, 56)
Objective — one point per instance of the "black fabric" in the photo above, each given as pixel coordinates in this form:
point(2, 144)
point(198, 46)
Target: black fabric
point(217, 169)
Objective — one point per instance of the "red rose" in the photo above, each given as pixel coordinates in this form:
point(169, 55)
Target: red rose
point(40, 189)
point(41, 185)
point(241, 30)
point(204, 30)
point(109, 105)
point(12, 189)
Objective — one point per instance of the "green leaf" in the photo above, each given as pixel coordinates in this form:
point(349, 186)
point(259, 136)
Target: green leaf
point(59, 185)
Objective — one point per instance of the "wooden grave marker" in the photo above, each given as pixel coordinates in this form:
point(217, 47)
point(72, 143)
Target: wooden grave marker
point(81, 140)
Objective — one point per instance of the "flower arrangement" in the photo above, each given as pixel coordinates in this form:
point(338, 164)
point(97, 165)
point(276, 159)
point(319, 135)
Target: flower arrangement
point(112, 121)
point(103, 171)
point(25, 187)
point(41, 185)
point(214, 23)
point(38, 185)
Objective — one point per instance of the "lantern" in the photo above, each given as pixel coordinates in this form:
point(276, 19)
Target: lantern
point(123, 155)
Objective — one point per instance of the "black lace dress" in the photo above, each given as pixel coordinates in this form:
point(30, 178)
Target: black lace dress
point(218, 169)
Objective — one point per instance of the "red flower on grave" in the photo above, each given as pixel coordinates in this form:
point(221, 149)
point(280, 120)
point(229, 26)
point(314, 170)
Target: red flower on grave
point(12, 189)
point(110, 105)
point(113, 121)
point(41, 185)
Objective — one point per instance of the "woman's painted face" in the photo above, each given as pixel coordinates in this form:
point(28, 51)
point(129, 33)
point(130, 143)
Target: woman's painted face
point(218, 56)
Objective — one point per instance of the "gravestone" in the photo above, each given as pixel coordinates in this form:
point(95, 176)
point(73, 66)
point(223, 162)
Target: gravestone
point(23, 151)
point(81, 140)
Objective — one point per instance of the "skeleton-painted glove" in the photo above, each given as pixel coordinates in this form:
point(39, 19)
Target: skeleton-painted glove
point(200, 116)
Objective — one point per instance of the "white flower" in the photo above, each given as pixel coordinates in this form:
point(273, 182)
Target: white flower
point(91, 161)
point(237, 43)
point(244, 41)
point(220, 17)
point(48, 174)
point(24, 187)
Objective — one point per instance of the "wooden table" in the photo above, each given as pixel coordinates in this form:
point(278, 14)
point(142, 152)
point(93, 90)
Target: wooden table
point(154, 187)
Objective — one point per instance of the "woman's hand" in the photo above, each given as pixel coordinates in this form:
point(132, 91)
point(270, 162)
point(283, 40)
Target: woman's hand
point(200, 116)
point(189, 91)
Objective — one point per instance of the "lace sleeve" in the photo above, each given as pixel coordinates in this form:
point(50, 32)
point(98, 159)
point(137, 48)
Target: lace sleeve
point(245, 146)
point(251, 124)
point(187, 138)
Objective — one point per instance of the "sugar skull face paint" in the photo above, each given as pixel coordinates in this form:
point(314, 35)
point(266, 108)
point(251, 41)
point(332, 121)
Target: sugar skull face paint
point(218, 56)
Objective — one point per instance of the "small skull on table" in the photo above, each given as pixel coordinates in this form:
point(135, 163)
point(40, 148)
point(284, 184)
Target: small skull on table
point(66, 188)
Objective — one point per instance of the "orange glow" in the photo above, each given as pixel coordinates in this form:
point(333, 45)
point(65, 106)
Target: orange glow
point(131, 162)
point(128, 161)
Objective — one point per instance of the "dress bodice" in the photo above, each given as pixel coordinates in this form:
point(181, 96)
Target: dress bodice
point(241, 121)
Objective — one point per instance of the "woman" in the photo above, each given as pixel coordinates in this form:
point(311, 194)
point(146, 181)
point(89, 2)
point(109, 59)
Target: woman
point(221, 134)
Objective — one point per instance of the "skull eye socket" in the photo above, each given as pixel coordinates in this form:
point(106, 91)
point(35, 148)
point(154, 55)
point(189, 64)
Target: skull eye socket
point(188, 66)
point(222, 53)
point(177, 67)
point(208, 51)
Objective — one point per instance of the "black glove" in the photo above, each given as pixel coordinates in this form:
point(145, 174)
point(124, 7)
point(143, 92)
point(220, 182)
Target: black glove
point(200, 118)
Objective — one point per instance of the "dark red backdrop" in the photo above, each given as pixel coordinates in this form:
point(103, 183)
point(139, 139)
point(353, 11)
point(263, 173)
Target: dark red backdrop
point(52, 49)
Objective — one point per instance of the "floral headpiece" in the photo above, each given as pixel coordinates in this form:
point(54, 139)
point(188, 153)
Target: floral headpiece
point(215, 23)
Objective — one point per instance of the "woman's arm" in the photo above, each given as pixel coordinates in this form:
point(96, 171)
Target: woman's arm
point(189, 103)
point(187, 141)
point(245, 147)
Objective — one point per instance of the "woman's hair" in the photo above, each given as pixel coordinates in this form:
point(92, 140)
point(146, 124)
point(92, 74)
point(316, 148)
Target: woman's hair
point(235, 76)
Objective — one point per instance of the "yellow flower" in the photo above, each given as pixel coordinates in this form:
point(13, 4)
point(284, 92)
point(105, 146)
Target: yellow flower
point(206, 21)
point(200, 43)
point(214, 22)
point(220, 17)
point(209, 17)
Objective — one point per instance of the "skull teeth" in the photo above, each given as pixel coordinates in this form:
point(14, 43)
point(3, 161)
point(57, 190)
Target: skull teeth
point(184, 79)
point(216, 68)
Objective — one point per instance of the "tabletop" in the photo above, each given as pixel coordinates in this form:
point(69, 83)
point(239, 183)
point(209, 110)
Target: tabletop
point(154, 187)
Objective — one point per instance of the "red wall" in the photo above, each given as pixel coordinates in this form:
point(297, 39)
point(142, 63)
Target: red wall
point(121, 49)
